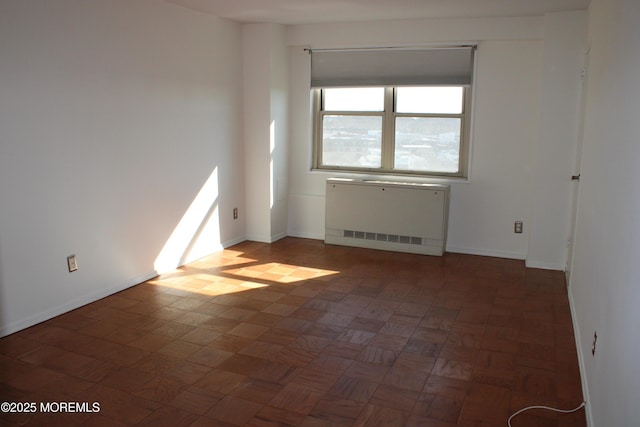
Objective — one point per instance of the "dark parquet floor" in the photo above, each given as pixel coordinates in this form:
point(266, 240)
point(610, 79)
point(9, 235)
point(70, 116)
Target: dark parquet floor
point(304, 334)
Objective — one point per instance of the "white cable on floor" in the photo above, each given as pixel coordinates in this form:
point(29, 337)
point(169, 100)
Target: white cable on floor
point(563, 411)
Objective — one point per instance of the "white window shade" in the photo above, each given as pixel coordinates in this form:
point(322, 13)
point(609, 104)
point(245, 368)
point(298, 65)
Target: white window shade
point(392, 67)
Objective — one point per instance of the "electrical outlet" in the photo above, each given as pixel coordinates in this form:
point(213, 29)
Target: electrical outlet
point(517, 227)
point(593, 346)
point(72, 263)
point(235, 213)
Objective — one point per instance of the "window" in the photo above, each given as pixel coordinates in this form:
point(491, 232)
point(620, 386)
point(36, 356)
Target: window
point(391, 128)
point(404, 130)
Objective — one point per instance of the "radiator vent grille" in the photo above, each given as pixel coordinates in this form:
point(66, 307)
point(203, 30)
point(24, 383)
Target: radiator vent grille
point(391, 216)
point(366, 235)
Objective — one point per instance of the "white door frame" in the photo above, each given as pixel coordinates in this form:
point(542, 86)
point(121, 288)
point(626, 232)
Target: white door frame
point(577, 171)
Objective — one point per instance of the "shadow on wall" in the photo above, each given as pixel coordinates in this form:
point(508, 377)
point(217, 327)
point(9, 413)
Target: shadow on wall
point(198, 232)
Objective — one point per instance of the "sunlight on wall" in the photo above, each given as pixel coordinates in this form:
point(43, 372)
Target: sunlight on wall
point(198, 232)
point(272, 146)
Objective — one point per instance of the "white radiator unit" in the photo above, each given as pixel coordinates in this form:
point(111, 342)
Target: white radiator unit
point(392, 216)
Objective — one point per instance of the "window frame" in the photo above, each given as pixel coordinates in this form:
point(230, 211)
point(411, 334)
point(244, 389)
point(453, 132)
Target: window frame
point(389, 116)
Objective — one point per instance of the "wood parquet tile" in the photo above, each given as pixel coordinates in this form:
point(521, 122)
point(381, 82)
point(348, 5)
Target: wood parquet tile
point(298, 333)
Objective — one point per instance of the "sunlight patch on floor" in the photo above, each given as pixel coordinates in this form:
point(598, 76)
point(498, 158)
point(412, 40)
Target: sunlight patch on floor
point(281, 273)
point(205, 278)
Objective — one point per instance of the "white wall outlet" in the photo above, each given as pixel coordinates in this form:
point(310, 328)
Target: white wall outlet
point(517, 227)
point(72, 263)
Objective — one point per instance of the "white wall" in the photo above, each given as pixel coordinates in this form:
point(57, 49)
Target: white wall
point(483, 210)
point(266, 97)
point(256, 54)
point(564, 49)
point(113, 117)
point(605, 285)
point(507, 125)
point(279, 108)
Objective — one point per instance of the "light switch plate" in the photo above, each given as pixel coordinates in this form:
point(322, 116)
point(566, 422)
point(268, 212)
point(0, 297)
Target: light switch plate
point(517, 227)
point(72, 263)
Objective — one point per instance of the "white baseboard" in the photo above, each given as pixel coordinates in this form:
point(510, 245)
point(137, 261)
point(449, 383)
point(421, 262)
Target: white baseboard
point(484, 252)
point(262, 238)
point(581, 362)
point(71, 305)
point(305, 235)
point(234, 241)
point(278, 236)
point(544, 265)
point(89, 298)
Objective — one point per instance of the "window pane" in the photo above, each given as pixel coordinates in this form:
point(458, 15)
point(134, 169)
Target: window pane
point(427, 144)
point(354, 99)
point(352, 141)
point(429, 100)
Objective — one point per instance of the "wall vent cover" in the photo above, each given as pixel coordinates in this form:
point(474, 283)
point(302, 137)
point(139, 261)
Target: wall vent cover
point(366, 235)
point(392, 216)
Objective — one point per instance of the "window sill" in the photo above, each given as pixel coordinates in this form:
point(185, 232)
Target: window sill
point(399, 177)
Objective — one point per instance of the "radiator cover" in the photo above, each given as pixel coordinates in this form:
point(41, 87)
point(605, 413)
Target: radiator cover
point(393, 216)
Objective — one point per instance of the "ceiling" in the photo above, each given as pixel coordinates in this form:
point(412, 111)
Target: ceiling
point(293, 12)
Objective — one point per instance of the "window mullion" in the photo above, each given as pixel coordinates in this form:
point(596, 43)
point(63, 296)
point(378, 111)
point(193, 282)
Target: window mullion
point(463, 159)
point(388, 129)
point(317, 128)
